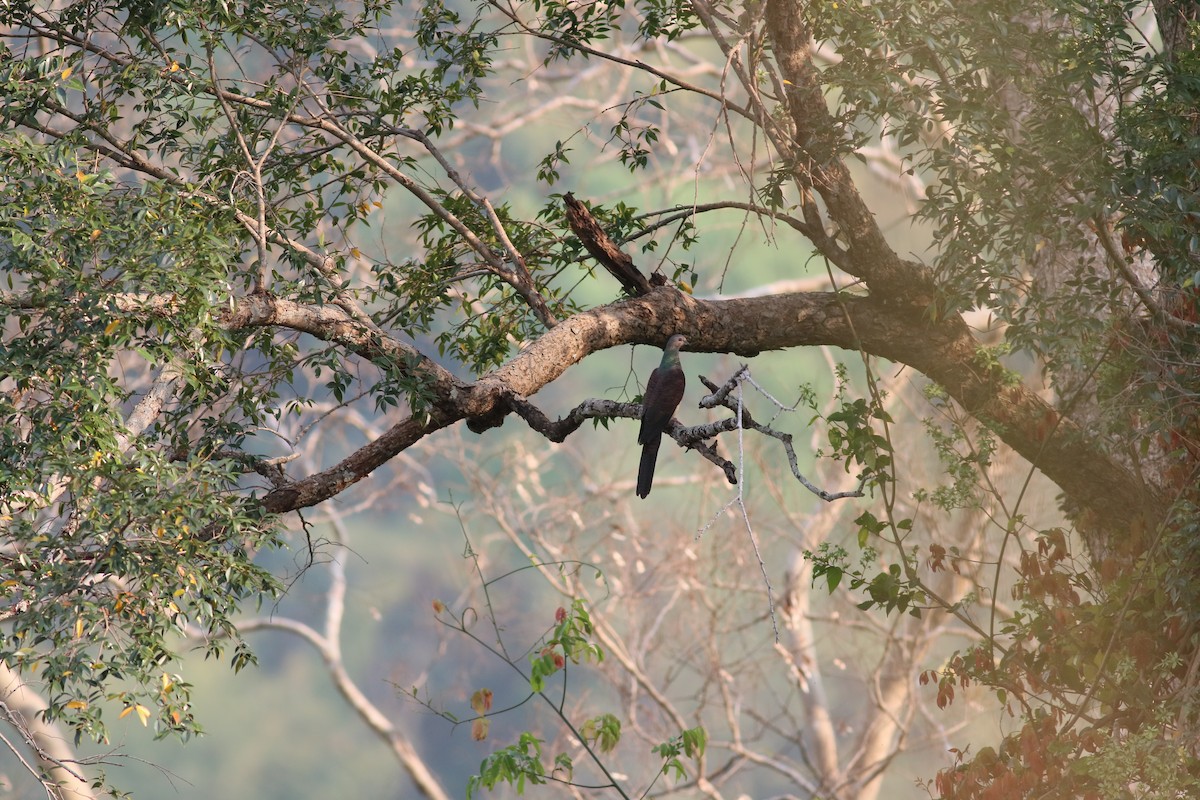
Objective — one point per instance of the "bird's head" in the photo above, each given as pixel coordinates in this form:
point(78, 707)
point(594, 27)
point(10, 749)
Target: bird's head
point(676, 341)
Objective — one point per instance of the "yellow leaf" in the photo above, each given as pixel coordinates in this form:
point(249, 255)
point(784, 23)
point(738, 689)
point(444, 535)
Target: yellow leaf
point(80, 175)
point(479, 729)
point(481, 701)
point(78, 705)
point(95, 234)
point(167, 683)
point(354, 251)
point(174, 66)
point(112, 326)
point(125, 713)
point(143, 714)
point(66, 73)
point(79, 627)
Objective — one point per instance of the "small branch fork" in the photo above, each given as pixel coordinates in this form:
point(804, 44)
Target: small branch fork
point(721, 396)
point(731, 395)
point(690, 437)
point(559, 430)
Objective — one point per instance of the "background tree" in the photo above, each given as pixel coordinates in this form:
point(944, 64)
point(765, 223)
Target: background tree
point(192, 276)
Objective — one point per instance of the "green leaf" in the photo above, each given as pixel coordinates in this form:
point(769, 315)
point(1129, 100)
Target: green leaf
point(833, 576)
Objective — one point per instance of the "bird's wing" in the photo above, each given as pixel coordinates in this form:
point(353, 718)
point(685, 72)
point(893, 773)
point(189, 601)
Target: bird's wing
point(664, 390)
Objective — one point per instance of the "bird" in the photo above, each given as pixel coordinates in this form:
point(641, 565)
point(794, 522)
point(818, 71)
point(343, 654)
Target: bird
point(664, 390)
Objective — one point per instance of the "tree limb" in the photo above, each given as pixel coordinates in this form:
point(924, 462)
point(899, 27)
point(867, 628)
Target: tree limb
point(943, 351)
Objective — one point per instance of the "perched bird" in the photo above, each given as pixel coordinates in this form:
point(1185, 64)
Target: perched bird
point(664, 390)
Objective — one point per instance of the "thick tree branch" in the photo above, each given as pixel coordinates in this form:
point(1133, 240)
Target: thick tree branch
point(816, 164)
point(945, 352)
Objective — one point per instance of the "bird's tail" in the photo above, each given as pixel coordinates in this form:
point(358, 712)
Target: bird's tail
point(646, 468)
